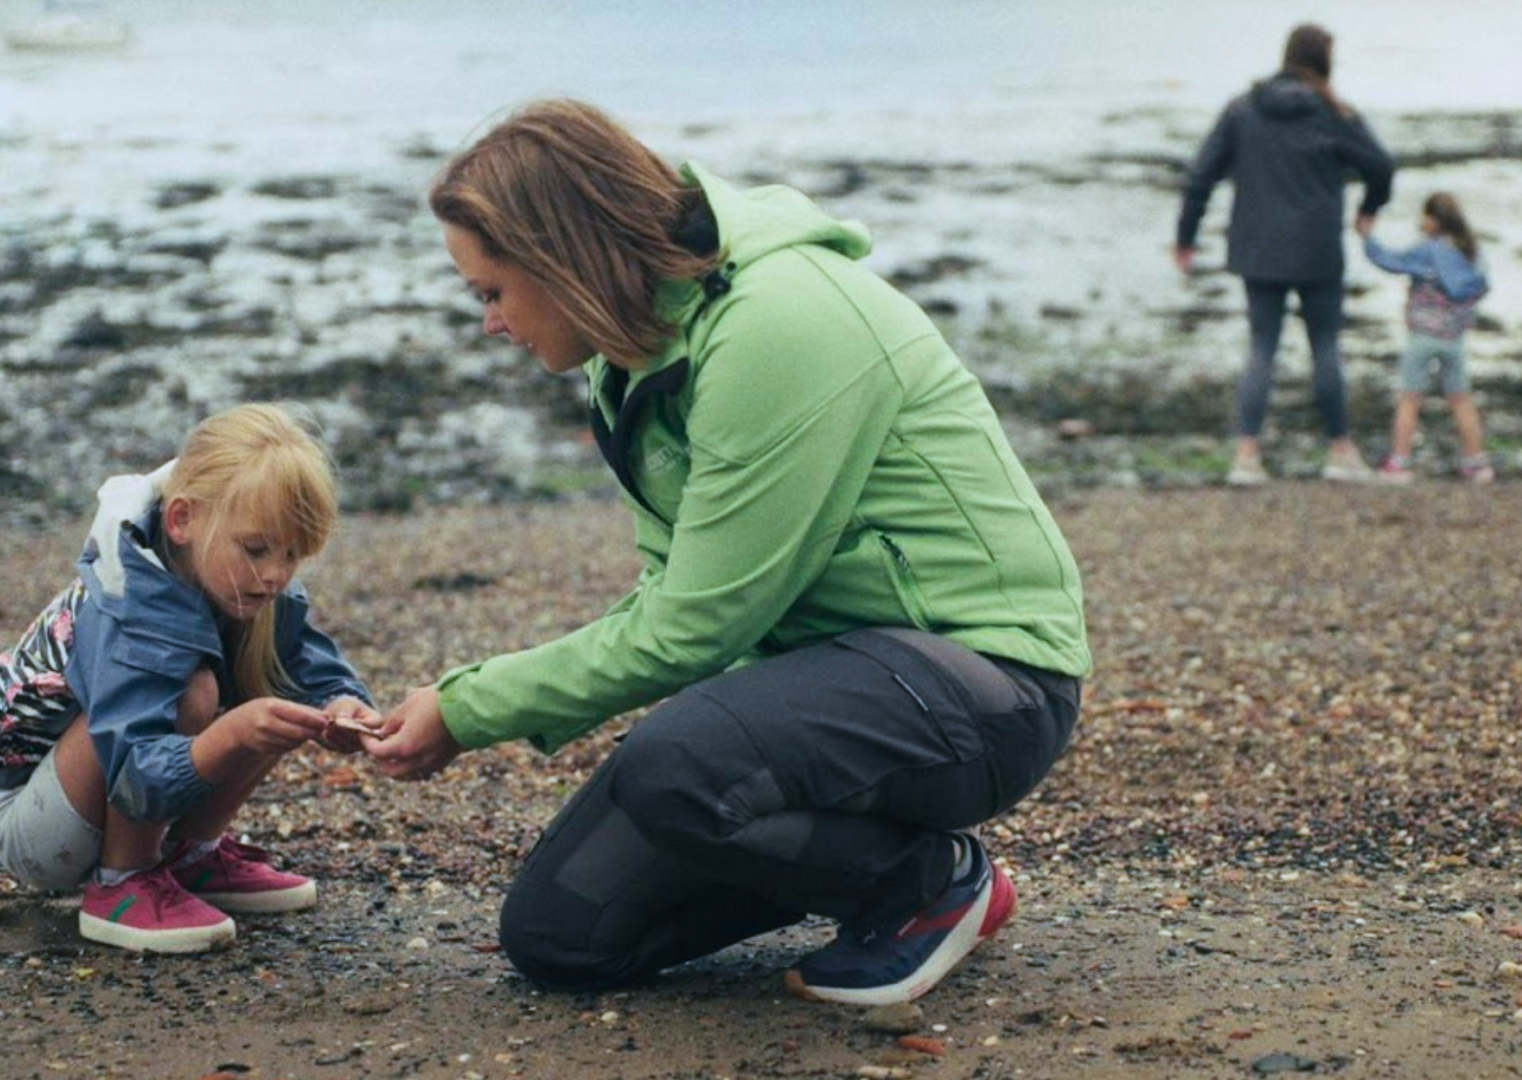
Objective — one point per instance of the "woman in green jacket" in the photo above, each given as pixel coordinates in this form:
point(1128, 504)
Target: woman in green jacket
point(863, 627)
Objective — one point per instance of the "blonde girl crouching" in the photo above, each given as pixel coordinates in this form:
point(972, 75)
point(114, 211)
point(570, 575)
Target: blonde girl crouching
point(151, 697)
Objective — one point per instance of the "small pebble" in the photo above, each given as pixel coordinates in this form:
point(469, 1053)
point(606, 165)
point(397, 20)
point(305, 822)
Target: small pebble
point(1472, 918)
point(923, 1045)
point(902, 1019)
point(418, 943)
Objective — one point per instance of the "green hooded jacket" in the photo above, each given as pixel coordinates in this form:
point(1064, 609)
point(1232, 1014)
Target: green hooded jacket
point(805, 458)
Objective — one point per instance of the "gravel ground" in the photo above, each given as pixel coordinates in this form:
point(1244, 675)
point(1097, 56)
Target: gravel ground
point(1286, 839)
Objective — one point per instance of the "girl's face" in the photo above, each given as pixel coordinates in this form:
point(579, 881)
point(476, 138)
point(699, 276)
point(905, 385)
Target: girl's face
point(240, 569)
point(1430, 227)
point(517, 306)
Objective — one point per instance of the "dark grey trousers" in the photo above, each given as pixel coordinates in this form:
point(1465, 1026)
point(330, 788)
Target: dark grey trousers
point(1321, 308)
point(822, 781)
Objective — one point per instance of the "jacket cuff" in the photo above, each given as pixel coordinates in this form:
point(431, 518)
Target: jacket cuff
point(471, 716)
point(162, 788)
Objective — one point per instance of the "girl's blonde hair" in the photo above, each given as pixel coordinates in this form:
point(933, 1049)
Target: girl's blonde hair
point(260, 468)
point(593, 215)
point(1444, 209)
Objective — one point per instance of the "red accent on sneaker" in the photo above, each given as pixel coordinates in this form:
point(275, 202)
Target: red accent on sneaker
point(929, 924)
point(238, 877)
point(1002, 903)
point(152, 912)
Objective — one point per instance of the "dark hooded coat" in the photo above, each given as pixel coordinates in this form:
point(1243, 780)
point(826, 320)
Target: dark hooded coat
point(1288, 152)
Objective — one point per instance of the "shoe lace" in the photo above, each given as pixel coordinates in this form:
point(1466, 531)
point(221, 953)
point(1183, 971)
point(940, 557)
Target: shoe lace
point(245, 852)
point(162, 889)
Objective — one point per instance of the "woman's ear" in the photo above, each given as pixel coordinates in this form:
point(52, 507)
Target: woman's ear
point(179, 517)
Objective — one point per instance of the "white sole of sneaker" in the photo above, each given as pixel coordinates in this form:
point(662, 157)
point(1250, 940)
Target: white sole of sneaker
point(1342, 474)
point(951, 952)
point(188, 940)
point(298, 898)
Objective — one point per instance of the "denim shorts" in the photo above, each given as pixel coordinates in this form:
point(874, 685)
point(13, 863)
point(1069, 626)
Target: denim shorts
point(44, 843)
point(1422, 351)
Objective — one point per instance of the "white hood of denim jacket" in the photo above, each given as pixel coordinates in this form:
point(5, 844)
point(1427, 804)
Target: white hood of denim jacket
point(121, 501)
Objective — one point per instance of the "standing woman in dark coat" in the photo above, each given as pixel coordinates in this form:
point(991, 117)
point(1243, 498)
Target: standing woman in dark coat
point(1288, 145)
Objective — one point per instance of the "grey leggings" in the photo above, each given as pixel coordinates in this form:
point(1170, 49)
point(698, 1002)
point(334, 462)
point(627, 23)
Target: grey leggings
point(1321, 308)
point(821, 781)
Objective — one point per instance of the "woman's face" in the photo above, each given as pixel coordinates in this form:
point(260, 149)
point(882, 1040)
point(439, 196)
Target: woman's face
point(517, 306)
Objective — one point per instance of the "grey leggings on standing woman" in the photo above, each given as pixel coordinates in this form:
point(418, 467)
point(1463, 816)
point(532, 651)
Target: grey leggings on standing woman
point(1321, 307)
point(823, 781)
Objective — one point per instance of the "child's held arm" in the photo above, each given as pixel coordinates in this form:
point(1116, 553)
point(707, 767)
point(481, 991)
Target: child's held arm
point(247, 736)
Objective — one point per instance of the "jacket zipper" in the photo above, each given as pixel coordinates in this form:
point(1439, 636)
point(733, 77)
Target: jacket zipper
point(905, 585)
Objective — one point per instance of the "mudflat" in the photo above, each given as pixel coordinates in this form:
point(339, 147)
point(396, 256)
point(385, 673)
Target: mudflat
point(1285, 840)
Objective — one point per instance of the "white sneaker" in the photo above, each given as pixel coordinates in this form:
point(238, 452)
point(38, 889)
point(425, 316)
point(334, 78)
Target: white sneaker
point(1347, 469)
point(1247, 472)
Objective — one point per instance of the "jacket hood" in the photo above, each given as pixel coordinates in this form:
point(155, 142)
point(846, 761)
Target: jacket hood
point(754, 223)
point(136, 590)
point(758, 221)
point(1284, 97)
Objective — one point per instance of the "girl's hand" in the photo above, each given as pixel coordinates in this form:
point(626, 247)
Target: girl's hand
point(271, 725)
point(251, 736)
point(414, 743)
point(347, 719)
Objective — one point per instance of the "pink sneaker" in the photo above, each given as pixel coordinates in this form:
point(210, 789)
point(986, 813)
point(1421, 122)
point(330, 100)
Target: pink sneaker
point(1394, 472)
point(1477, 472)
point(151, 912)
point(238, 877)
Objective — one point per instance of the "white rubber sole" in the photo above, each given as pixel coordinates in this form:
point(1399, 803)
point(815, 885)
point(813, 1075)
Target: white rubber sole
point(296, 898)
point(192, 939)
point(947, 955)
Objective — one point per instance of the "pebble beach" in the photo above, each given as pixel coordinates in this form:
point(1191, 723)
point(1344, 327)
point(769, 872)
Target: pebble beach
point(1287, 827)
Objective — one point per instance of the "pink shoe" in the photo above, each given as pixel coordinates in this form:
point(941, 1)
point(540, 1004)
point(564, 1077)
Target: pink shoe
point(238, 877)
point(151, 912)
point(1477, 472)
point(1394, 472)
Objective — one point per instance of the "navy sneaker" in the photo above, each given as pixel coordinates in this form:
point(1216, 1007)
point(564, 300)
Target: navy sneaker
point(886, 969)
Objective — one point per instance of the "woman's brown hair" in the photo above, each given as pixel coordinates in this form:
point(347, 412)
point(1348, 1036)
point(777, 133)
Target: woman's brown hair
point(1443, 208)
point(1308, 57)
point(563, 192)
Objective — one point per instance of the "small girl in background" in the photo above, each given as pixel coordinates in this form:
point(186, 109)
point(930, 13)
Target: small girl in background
point(152, 696)
point(1446, 284)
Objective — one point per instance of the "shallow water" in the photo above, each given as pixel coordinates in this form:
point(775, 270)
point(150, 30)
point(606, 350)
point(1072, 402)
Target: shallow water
point(232, 206)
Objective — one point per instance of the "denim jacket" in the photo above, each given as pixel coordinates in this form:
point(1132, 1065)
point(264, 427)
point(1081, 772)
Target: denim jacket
point(123, 656)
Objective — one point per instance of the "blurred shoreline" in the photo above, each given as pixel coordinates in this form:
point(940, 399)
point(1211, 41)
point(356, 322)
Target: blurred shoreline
point(147, 280)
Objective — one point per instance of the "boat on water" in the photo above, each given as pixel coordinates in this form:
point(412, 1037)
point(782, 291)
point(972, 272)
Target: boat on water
point(63, 30)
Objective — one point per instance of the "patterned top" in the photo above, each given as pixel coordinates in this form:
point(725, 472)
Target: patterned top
point(1431, 311)
point(1445, 285)
point(39, 705)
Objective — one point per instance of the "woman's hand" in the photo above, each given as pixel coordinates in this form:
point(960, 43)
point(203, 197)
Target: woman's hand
point(348, 718)
point(413, 743)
